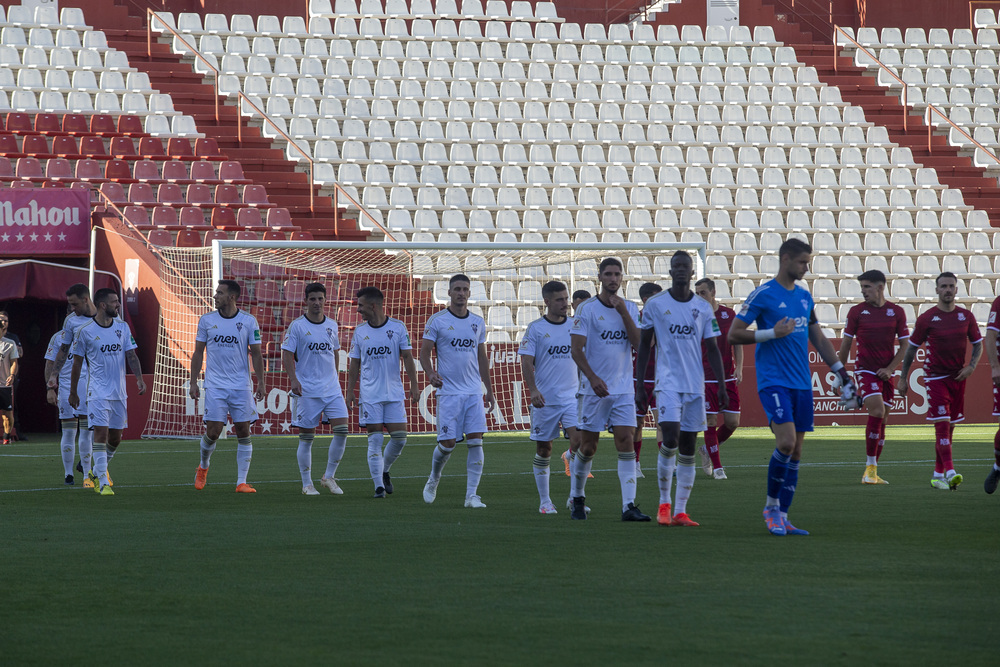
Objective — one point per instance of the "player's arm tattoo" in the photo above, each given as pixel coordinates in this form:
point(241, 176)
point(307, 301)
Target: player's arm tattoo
point(58, 363)
point(977, 353)
point(133, 363)
point(74, 379)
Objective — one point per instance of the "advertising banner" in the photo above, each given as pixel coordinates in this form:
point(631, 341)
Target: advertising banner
point(44, 221)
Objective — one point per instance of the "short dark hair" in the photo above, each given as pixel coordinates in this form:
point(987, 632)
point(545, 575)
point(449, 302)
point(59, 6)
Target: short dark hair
point(793, 248)
point(680, 253)
point(581, 294)
point(552, 287)
point(315, 287)
point(459, 278)
point(872, 276)
point(371, 292)
point(232, 287)
point(102, 295)
point(649, 289)
point(78, 290)
point(610, 261)
point(945, 274)
point(706, 281)
point(3, 313)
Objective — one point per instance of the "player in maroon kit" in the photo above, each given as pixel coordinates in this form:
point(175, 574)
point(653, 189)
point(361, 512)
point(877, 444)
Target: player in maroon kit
point(875, 324)
point(992, 343)
point(646, 290)
point(732, 362)
point(945, 327)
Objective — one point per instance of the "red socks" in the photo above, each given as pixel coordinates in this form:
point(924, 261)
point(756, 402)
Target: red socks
point(873, 434)
point(724, 432)
point(881, 442)
point(712, 445)
point(942, 430)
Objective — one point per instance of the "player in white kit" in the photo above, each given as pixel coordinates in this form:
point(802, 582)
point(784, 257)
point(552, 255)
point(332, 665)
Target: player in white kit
point(677, 322)
point(552, 380)
point(603, 335)
point(68, 419)
point(462, 370)
point(105, 343)
point(309, 357)
point(229, 335)
point(82, 310)
point(378, 346)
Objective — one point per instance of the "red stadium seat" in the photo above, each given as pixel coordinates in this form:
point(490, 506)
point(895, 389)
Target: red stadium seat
point(295, 290)
point(279, 217)
point(207, 147)
point(117, 170)
point(255, 195)
point(21, 185)
point(301, 236)
point(223, 217)
point(160, 237)
point(36, 145)
point(92, 147)
point(146, 170)
point(268, 291)
point(29, 168)
point(142, 194)
point(199, 194)
point(227, 194)
point(151, 147)
point(170, 193)
point(175, 171)
point(241, 268)
point(232, 172)
point(164, 216)
point(137, 215)
point(123, 147)
point(130, 125)
point(272, 235)
point(188, 238)
point(215, 234)
point(202, 170)
point(47, 123)
point(114, 191)
point(19, 122)
point(9, 147)
point(103, 124)
point(246, 235)
point(6, 169)
point(75, 123)
point(265, 316)
point(249, 217)
point(58, 169)
point(191, 216)
point(179, 147)
point(88, 170)
point(65, 146)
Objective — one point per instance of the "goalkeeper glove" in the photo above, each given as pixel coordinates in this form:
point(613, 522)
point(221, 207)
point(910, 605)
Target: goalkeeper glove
point(849, 398)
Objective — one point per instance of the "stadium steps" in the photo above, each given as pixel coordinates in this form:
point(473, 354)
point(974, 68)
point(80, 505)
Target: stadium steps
point(265, 165)
point(860, 89)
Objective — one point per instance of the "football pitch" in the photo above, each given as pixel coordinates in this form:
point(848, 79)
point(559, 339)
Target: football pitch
point(163, 574)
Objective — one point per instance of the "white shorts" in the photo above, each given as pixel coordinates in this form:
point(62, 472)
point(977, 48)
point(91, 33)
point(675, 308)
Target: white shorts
point(687, 409)
point(308, 412)
point(596, 414)
point(107, 413)
point(236, 403)
point(384, 412)
point(458, 415)
point(545, 421)
point(67, 411)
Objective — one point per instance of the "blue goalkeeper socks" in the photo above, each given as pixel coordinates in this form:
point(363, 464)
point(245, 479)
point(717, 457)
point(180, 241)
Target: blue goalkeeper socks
point(788, 488)
point(776, 472)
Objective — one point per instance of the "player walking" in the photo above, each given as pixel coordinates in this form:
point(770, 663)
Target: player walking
point(679, 324)
point(648, 382)
point(786, 324)
point(551, 378)
point(602, 337)
point(992, 344)
point(73, 420)
point(309, 357)
point(462, 370)
point(105, 343)
point(376, 350)
point(876, 324)
point(732, 365)
point(579, 296)
point(9, 355)
point(229, 335)
point(945, 328)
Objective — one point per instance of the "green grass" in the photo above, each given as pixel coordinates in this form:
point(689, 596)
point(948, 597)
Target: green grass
point(163, 574)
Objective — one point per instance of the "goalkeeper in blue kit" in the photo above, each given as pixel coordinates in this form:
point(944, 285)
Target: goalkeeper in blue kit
point(786, 324)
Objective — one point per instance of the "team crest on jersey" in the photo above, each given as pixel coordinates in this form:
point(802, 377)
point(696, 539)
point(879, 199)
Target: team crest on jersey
point(805, 304)
point(724, 315)
point(329, 331)
point(961, 317)
point(475, 328)
point(745, 309)
point(993, 317)
point(389, 333)
point(889, 312)
point(239, 326)
point(118, 332)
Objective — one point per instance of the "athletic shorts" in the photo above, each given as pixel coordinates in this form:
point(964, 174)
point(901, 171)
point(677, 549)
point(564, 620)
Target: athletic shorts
point(650, 400)
point(945, 399)
point(309, 412)
point(870, 384)
point(783, 405)
point(545, 421)
point(67, 411)
point(382, 412)
point(596, 414)
point(458, 415)
point(684, 408)
point(712, 397)
point(236, 403)
point(6, 398)
point(107, 412)
point(996, 401)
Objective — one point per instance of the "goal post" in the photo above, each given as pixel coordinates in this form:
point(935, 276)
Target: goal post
point(506, 292)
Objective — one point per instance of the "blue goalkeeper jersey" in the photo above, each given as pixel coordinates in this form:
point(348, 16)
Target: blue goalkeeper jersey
point(781, 362)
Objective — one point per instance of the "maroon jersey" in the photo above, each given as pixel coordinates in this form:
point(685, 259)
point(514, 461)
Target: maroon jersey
point(725, 317)
point(876, 330)
point(945, 334)
point(650, 377)
point(994, 321)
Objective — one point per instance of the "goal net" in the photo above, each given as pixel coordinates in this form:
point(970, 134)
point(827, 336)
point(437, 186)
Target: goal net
point(506, 279)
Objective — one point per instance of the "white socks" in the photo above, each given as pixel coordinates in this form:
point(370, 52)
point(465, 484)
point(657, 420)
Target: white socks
point(474, 466)
point(626, 477)
point(101, 462)
point(207, 447)
point(67, 445)
point(541, 470)
point(375, 461)
point(397, 440)
point(685, 481)
point(337, 446)
point(304, 456)
point(580, 468)
point(666, 461)
point(86, 446)
point(244, 452)
point(440, 457)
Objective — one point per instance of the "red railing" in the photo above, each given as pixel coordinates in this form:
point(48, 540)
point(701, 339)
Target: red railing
point(837, 31)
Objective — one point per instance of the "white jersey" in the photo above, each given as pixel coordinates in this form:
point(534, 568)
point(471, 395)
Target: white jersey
point(608, 350)
point(8, 355)
point(71, 325)
point(457, 340)
point(378, 348)
point(556, 375)
point(315, 347)
point(680, 326)
point(66, 372)
point(227, 341)
point(104, 349)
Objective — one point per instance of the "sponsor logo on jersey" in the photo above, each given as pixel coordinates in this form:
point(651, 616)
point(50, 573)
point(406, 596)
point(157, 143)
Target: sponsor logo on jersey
point(111, 347)
point(319, 347)
point(782, 305)
point(559, 349)
point(380, 350)
point(935, 319)
point(256, 335)
point(614, 335)
point(463, 342)
point(993, 317)
point(715, 325)
point(681, 329)
point(865, 312)
point(225, 340)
